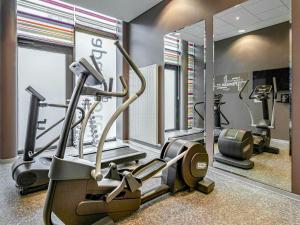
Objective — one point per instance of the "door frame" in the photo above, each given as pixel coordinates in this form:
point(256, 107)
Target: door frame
point(176, 69)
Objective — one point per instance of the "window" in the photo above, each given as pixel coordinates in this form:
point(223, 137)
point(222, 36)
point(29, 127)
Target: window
point(104, 50)
point(171, 98)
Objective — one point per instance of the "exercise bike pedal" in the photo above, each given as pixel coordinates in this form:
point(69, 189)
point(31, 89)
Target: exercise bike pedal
point(206, 185)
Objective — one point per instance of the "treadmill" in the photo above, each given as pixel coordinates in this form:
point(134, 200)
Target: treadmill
point(197, 136)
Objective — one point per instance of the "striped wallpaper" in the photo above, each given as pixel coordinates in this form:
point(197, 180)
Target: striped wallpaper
point(95, 20)
point(54, 21)
point(172, 51)
point(191, 75)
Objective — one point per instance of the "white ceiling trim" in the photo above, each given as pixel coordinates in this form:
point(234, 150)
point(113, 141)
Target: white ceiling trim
point(125, 10)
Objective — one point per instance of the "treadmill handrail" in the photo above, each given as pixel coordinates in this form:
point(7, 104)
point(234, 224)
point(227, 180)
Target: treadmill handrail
point(42, 149)
point(96, 173)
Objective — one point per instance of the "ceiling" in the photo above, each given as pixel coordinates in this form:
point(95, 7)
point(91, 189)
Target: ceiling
point(125, 10)
point(249, 16)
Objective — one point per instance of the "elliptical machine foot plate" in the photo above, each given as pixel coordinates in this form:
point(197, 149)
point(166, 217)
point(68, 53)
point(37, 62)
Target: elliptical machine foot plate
point(243, 164)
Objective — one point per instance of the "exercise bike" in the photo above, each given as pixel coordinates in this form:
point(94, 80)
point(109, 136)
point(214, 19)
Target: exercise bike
point(79, 193)
point(262, 137)
point(237, 146)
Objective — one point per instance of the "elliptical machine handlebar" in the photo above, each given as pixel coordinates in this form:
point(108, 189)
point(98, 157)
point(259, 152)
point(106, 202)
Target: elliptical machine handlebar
point(196, 110)
point(96, 173)
point(242, 89)
point(134, 67)
point(245, 102)
point(272, 125)
point(107, 92)
point(98, 69)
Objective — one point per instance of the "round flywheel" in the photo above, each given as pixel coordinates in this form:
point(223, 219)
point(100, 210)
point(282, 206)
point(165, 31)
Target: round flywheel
point(194, 164)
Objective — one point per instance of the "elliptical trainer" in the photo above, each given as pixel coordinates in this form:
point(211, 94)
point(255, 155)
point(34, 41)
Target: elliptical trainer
point(79, 194)
point(218, 115)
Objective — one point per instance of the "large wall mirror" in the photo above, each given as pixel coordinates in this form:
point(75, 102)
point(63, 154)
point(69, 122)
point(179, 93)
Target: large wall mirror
point(252, 89)
point(184, 83)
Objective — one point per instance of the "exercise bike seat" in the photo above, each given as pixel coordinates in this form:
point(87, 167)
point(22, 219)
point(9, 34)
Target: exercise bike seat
point(146, 171)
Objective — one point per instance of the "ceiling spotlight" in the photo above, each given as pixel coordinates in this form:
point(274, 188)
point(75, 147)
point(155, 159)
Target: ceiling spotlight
point(242, 31)
point(237, 18)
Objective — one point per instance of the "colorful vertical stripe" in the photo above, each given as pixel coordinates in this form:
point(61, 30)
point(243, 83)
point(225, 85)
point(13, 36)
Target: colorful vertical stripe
point(54, 21)
point(172, 51)
point(191, 74)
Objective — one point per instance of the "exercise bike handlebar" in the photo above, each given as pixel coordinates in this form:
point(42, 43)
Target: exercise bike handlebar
point(96, 173)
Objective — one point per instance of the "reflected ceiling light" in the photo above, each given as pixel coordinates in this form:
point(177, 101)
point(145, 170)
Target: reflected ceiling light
point(237, 5)
point(237, 18)
point(242, 31)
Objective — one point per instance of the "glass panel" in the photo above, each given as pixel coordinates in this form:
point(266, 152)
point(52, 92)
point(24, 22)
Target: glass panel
point(48, 77)
point(184, 55)
point(170, 99)
point(252, 91)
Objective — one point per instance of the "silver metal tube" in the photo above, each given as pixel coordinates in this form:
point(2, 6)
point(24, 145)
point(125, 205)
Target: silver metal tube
point(272, 125)
point(96, 173)
point(83, 128)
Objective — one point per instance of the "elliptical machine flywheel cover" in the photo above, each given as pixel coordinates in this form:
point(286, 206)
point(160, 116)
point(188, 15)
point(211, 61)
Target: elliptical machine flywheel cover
point(194, 164)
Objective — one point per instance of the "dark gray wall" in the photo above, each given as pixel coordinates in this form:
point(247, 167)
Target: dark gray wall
point(199, 85)
point(267, 48)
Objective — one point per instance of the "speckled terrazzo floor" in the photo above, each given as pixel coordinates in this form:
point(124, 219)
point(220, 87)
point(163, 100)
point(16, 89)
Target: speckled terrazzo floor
point(232, 202)
point(271, 169)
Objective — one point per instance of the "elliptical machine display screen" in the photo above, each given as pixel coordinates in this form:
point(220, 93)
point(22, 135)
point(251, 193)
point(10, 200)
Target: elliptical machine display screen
point(263, 89)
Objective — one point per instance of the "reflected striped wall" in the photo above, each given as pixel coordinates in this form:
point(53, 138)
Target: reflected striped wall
point(54, 21)
point(172, 51)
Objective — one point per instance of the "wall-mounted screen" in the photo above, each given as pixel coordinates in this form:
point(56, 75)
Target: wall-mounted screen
point(282, 76)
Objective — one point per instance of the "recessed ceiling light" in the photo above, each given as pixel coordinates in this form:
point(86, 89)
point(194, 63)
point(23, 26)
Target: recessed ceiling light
point(237, 18)
point(242, 31)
